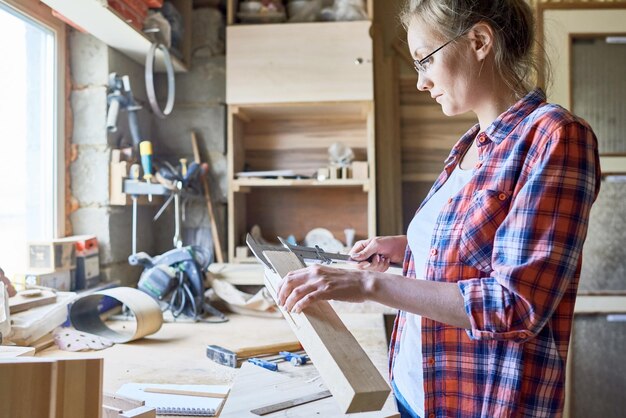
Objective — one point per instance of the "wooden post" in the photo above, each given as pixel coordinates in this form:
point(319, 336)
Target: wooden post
point(346, 369)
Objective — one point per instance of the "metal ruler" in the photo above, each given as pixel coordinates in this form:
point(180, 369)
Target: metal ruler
point(291, 403)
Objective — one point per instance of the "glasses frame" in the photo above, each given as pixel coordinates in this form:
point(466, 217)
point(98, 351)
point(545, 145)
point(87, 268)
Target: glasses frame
point(419, 64)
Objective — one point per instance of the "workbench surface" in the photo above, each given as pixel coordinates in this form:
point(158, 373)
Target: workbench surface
point(177, 352)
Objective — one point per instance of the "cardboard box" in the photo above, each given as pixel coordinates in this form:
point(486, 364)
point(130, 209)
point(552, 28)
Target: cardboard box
point(85, 244)
point(87, 271)
point(51, 255)
point(55, 279)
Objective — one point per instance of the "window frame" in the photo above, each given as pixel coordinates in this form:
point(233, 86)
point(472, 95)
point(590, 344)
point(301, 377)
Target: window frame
point(42, 14)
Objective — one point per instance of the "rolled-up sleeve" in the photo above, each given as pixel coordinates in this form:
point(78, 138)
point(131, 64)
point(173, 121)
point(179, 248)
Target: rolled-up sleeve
point(538, 246)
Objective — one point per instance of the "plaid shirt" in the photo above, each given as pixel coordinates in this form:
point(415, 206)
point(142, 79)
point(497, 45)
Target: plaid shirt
point(512, 240)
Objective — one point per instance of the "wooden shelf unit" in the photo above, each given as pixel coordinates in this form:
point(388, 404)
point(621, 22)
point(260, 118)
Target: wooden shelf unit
point(297, 136)
point(97, 18)
point(293, 90)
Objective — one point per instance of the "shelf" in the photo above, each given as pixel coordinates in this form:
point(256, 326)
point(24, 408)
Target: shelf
point(97, 18)
point(240, 184)
point(613, 164)
point(232, 8)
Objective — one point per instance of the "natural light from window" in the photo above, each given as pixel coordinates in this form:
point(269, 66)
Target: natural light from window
point(27, 137)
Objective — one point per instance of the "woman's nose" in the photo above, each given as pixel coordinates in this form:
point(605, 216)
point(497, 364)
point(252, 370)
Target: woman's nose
point(423, 82)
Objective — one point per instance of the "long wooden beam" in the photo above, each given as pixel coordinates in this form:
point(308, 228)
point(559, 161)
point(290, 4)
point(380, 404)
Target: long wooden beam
point(348, 372)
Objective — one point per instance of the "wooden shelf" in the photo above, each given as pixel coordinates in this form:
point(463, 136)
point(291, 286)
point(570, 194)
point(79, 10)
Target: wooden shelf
point(239, 185)
point(97, 18)
point(232, 6)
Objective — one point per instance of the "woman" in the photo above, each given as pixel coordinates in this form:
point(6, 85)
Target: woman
point(498, 240)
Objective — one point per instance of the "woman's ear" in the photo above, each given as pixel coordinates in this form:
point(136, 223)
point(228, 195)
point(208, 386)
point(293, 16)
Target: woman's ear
point(482, 37)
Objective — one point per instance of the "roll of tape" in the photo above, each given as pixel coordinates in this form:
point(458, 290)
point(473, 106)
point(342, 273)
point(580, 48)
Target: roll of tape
point(85, 316)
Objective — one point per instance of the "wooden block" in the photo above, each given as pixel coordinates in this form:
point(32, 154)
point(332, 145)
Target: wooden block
point(121, 402)
point(111, 411)
point(79, 388)
point(360, 170)
point(141, 412)
point(15, 351)
point(350, 375)
point(28, 387)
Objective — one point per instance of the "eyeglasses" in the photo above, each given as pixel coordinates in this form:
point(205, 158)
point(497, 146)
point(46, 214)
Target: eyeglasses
point(421, 66)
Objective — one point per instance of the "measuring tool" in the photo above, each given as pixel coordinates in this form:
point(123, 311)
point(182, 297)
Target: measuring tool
point(266, 410)
point(310, 254)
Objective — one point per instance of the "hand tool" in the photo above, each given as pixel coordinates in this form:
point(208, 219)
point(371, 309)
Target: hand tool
point(306, 255)
point(294, 358)
point(219, 257)
point(145, 150)
point(230, 358)
point(291, 403)
point(264, 363)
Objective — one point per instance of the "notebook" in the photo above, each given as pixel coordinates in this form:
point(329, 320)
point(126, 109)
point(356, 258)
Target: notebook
point(169, 404)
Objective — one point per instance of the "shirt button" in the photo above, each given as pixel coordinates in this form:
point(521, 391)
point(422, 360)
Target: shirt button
point(431, 361)
point(502, 196)
point(431, 416)
point(482, 139)
point(478, 165)
point(433, 252)
point(450, 200)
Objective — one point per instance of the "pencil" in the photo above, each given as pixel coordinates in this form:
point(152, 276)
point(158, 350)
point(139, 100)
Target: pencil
point(185, 392)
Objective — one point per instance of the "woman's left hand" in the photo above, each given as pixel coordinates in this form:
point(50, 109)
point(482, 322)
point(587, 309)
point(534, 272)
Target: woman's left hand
point(301, 288)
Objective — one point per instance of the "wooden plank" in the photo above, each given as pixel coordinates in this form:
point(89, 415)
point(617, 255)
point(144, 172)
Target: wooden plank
point(350, 375)
point(113, 400)
point(255, 387)
point(19, 302)
point(79, 388)
point(267, 63)
point(14, 351)
point(140, 412)
point(28, 388)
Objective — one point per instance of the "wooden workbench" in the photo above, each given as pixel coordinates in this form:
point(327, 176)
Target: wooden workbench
point(177, 352)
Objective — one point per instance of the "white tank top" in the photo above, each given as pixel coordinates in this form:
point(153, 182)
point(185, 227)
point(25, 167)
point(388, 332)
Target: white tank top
point(408, 372)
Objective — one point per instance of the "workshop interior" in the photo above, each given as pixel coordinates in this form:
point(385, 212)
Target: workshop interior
point(167, 162)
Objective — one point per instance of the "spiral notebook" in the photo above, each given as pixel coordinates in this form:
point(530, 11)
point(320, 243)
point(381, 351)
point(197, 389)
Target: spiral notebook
point(174, 404)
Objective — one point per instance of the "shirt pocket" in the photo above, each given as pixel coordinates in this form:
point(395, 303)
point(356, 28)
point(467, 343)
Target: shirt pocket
point(480, 223)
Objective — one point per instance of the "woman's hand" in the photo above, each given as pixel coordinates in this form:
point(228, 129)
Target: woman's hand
point(376, 254)
point(301, 288)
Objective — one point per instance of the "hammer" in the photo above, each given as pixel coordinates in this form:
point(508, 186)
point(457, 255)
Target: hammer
point(231, 358)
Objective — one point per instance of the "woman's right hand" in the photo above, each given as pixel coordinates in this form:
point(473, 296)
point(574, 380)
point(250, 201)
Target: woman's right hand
point(376, 254)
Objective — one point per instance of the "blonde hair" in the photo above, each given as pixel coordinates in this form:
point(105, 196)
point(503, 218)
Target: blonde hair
point(513, 24)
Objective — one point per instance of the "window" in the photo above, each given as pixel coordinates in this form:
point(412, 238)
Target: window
point(31, 135)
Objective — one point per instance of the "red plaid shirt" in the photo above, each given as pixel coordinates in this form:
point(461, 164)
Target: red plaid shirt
point(512, 240)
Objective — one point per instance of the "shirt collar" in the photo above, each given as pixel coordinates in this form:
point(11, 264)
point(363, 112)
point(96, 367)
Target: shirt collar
point(507, 121)
point(503, 125)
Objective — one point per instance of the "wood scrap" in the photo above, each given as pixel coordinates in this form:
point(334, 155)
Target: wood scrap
point(27, 299)
point(350, 375)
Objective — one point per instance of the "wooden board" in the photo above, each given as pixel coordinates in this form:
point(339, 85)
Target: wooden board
point(79, 388)
point(27, 388)
point(7, 351)
point(36, 387)
point(256, 387)
point(19, 303)
point(356, 384)
point(267, 63)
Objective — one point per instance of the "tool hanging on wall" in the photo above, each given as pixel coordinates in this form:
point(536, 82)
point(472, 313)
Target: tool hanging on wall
point(207, 196)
